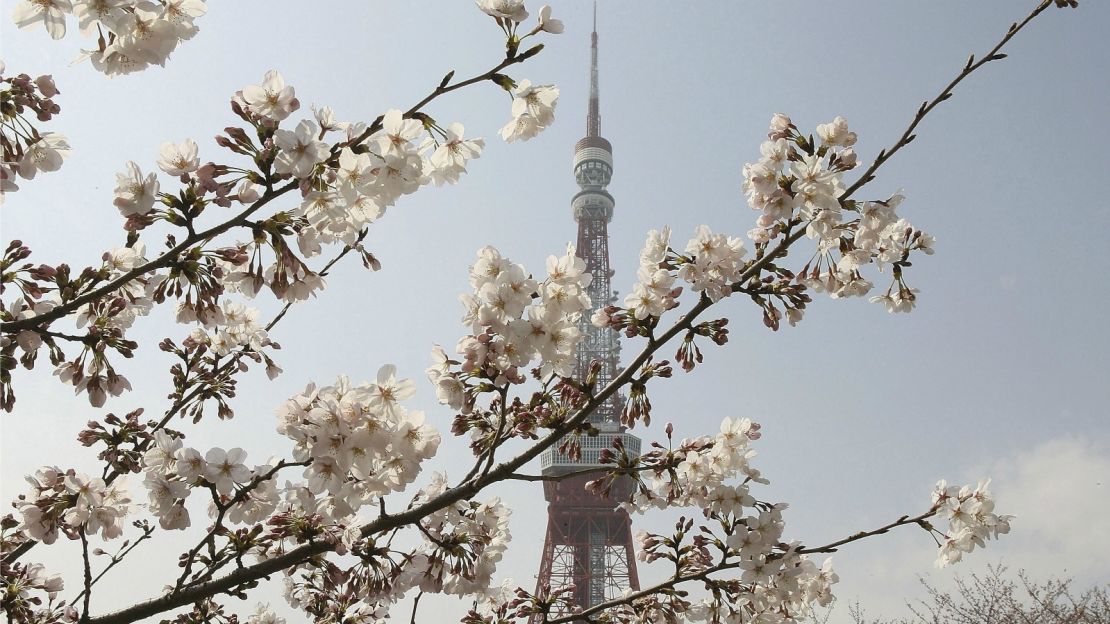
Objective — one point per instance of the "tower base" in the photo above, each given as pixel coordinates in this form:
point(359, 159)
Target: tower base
point(588, 544)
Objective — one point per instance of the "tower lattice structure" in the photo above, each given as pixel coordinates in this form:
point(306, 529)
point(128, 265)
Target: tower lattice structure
point(589, 539)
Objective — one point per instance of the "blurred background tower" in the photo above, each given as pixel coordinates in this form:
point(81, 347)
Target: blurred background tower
point(589, 540)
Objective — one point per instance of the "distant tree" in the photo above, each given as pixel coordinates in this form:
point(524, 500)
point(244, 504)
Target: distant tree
point(998, 598)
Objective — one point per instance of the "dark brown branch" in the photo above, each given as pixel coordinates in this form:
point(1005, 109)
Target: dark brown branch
point(415, 605)
point(221, 511)
point(728, 565)
point(87, 592)
point(166, 258)
point(578, 473)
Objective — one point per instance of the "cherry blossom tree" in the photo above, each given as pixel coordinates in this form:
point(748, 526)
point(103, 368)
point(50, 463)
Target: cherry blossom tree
point(995, 596)
point(294, 195)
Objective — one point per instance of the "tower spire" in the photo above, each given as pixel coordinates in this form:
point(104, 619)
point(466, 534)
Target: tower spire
point(593, 116)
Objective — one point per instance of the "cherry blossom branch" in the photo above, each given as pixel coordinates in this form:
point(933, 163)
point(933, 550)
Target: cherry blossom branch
point(221, 511)
point(908, 135)
point(445, 88)
point(904, 520)
point(928, 106)
point(111, 475)
point(578, 473)
point(116, 559)
point(729, 565)
point(466, 489)
point(166, 258)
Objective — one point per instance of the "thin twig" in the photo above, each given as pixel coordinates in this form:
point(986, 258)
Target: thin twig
point(927, 107)
point(116, 559)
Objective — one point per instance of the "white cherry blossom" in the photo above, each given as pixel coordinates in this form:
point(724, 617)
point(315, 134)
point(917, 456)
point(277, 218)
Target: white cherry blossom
point(45, 154)
point(836, 133)
point(191, 465)
point(450, 158)
point(520, 128)
point(299, 151)
point(505, 9)
point(178, 159)
point(145, 36)
point(135, 193)
point(397, 133)
point(181, 13)
point(51, 13)
point(273, 99)
point(547, 23)
point(536, 100)
point(161, 458)
point(226, 468)
point(107, 13)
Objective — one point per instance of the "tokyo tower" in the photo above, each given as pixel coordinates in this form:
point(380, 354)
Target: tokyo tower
point(589, 539)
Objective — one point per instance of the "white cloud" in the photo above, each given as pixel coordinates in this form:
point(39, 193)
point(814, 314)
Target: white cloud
point(1059, 492)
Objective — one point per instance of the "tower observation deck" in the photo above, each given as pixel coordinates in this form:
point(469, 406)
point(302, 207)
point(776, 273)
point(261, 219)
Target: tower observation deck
point(589, 540)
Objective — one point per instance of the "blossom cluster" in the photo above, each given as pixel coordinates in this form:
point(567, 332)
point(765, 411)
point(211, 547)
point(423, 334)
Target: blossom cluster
point(232, 325)
point(358, 441)
point(346, 185)
point(463, 543)
point(696, 473)
point(460, 547)
point(514, 321)
point(131, 34)
point(762, 579)
point(786, 180)
point(712, 264)
point(23, 590)
point(799, 181)
point(72, 503)
point(172, 471)
point(779, 592)
point(107, 320)
point(24, 150)
point(653, 292)
point(971, 518)
point(533, 111)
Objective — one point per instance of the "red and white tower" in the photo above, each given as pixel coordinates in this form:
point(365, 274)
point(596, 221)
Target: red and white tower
point(589, 539)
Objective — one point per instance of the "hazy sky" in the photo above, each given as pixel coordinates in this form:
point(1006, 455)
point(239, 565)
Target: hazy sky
point(1001, 371)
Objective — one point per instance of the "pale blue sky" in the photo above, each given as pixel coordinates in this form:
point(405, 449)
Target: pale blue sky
point(1001, 371)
